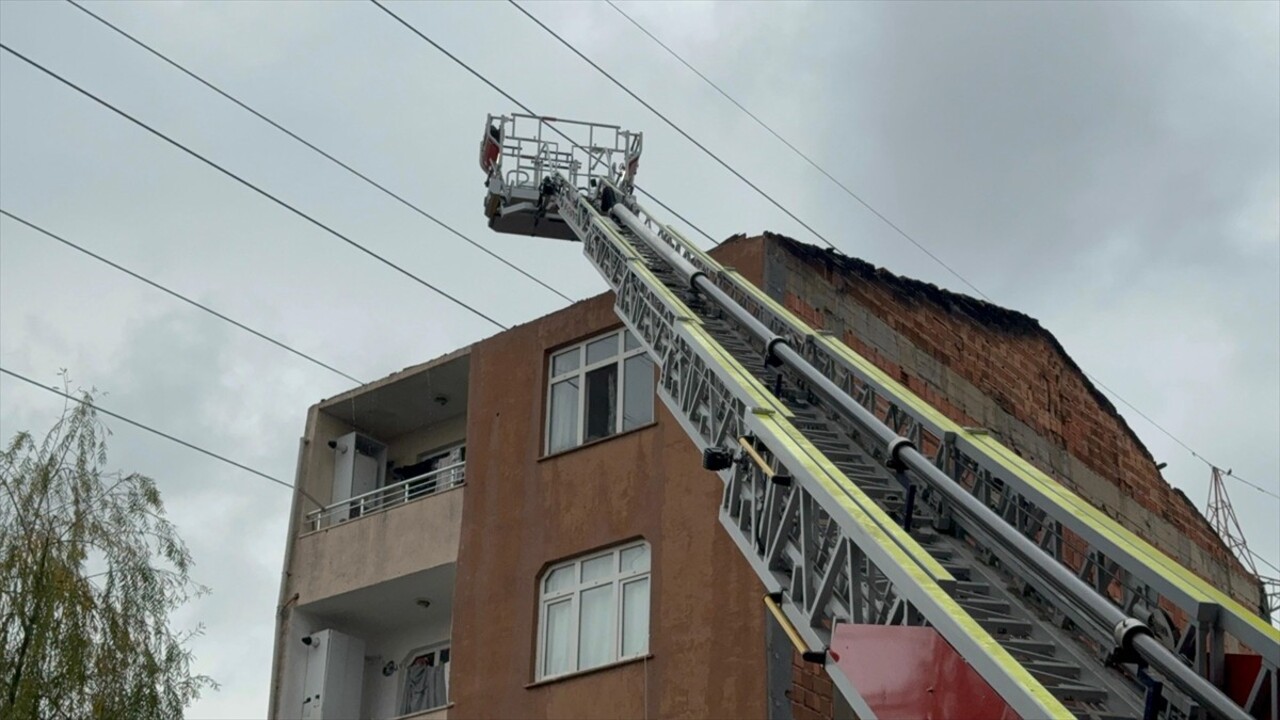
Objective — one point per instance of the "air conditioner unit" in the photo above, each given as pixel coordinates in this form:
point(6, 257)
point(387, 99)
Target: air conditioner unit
point(335, 676)
point(359, 467)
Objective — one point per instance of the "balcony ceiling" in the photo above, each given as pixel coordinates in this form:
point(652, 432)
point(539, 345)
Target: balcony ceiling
point(391, 605)
point(392, 407)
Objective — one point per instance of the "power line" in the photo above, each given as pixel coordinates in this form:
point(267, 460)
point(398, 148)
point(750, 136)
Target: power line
point(1263, 560)
point(1175, 438)
point(856, 197)
point(313, 147)
point(1255, 486)
point(180, 296)
point(162, 434)
point(528, 110)
point(248, 184)
point(475, 73)
point(797, 151)
point(677, 215)
point(673, 126)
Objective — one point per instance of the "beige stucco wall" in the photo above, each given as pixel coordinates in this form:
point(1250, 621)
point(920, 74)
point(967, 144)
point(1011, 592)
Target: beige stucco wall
point(417, 535)
point(317, 461)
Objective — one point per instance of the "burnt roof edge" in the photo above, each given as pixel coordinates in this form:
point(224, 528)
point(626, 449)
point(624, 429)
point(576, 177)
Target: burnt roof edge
point(985, 313)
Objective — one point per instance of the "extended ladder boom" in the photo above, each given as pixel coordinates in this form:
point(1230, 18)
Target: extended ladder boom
point(814, 466)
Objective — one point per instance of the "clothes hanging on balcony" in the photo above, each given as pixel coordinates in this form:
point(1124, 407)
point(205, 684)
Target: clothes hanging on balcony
point(425, 683)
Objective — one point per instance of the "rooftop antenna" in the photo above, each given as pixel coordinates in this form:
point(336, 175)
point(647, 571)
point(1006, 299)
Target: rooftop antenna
point(1222, 517)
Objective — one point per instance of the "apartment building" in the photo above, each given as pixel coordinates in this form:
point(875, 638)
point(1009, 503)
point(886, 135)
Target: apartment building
point(520, 528)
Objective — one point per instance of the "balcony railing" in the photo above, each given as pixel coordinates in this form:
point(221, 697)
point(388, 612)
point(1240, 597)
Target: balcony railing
point(428, 483)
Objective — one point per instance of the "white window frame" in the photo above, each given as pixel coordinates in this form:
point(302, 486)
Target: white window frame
point(619, 579)
point(453, 475)
point(442, 450)
point(581, 371)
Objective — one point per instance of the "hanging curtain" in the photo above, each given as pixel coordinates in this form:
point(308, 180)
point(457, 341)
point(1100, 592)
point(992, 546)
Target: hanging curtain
point(426, 682)
point(564, 415)
point(415, 686)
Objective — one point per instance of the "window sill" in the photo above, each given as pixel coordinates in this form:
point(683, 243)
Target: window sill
point(593, 443)
point(588, 671)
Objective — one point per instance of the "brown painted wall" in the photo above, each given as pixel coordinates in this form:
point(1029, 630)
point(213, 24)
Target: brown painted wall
point(523, 513)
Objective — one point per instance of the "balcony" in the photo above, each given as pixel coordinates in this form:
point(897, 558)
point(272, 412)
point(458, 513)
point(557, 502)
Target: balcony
point(390, 543)
point(380, 652)
point(385, 498)
point(386, 464)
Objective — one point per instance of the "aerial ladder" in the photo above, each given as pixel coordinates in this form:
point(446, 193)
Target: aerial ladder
point(931, 570)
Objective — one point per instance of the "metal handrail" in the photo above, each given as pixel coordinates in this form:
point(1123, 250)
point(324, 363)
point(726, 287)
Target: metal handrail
point(596, 152)
point(383, 498)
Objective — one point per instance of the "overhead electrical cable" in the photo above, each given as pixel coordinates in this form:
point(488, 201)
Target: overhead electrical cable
point(883, 218)
point(675, 127)
point(316, 149)
point(458, 61)
point(180, 296)
point(250, 185)
point(797, 151)
point(1175, 438)
point(528, 110)
point(1253, 485)
point(162, 434)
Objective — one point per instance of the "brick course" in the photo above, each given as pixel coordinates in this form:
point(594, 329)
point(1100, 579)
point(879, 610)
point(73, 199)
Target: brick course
point(926, 337)
point(811, 691)
point(986, 366)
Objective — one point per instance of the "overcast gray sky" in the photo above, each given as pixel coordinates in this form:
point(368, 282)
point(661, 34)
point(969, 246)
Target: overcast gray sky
point(1110, 169)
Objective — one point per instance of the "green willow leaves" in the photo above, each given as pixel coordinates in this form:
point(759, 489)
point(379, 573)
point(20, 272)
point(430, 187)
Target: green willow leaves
point(90, 571)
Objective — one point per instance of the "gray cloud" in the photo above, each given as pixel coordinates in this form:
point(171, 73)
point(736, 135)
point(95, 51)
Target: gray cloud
point(1112, 170)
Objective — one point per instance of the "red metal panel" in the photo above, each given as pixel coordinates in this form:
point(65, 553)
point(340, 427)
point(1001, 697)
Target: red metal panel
point(1240, 672)
point(913, 673)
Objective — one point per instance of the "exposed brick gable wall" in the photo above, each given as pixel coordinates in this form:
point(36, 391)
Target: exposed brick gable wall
point(935, 341)
point(986, 366)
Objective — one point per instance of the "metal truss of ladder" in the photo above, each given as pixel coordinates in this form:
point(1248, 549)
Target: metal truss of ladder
point(827, 550)
point(813, 517)
point(1076, 678)
point(1121, 566)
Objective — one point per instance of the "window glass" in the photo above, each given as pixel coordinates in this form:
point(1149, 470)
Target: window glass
point(635, 617)
point(597, 568)
point(602, 349)
point(559, 579)
point(635, 559)
point(595, 611)
point(564, 362)
point(563, 430)
point(637, 403)
point(608, 387)
point(596, 631)
point(601, 402)
point(557, 657)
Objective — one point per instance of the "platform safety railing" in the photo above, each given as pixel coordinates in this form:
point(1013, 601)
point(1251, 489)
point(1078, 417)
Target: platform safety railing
point(535, 149)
